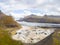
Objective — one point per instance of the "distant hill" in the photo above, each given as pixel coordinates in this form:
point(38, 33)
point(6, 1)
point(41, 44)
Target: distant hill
point(41, 19)
point(53, 16)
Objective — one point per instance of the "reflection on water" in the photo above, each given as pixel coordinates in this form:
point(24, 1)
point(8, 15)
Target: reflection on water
point(39, 24)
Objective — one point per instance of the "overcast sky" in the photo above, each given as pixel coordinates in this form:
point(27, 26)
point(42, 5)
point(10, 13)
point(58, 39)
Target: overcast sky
point(20, 8)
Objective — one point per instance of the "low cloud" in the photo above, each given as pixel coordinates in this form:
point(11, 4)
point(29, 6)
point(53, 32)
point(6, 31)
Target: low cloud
point(44, 6)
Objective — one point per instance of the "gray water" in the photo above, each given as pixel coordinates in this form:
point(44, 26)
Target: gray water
point(39, 24)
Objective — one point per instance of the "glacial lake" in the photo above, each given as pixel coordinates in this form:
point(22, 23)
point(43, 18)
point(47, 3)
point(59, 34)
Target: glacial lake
point(39, 24)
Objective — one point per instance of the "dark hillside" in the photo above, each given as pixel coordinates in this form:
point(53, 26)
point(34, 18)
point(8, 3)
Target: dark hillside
point(41, 19)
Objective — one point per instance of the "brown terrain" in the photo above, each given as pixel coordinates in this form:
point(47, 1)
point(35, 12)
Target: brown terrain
point(8, 25)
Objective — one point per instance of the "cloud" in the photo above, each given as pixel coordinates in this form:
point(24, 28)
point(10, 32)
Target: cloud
point(30, 6)
point(39, 2)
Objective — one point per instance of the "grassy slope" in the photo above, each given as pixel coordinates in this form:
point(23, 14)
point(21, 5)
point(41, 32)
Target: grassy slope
point(56, 37)
point(5, 39)
point(7, 20)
